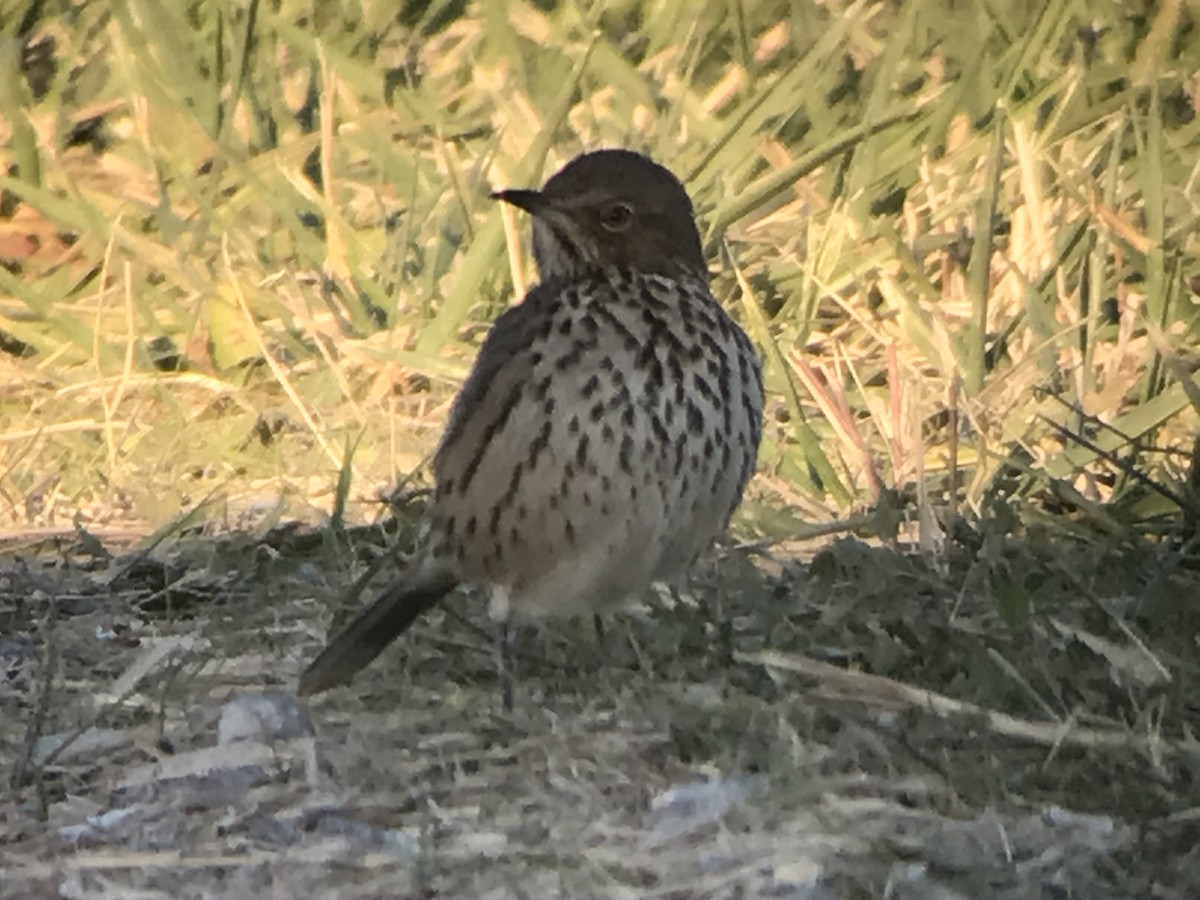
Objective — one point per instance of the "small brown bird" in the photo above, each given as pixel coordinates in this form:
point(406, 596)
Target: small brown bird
point(608, 427)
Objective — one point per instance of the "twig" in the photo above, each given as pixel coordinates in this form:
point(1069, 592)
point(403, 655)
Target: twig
point(876, 690)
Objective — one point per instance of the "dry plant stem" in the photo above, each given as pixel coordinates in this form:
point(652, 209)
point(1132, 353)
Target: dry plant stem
point(512, 239)
point(895, 413)
point(336, 266)
point(1014, 674)
point(276, 369)
point(639, 654)
point(38, 721)
point(1141, 478)
point(506, 634)
point(952, 450)
point(890, 695)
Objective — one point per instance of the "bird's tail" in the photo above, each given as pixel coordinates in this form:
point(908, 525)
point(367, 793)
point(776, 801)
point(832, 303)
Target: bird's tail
point(356, 645)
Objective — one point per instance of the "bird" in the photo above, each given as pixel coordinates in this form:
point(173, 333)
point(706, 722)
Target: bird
point(606, 431)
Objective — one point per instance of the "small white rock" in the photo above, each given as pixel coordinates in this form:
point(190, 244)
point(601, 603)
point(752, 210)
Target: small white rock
point(265, 717)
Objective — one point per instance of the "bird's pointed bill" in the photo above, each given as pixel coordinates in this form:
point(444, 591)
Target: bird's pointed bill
point(531, 201)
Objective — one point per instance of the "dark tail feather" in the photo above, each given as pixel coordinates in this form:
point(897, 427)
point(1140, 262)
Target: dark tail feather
point(356, 645)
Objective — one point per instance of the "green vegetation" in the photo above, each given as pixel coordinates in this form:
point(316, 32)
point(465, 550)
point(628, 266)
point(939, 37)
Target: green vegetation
point(240, 239)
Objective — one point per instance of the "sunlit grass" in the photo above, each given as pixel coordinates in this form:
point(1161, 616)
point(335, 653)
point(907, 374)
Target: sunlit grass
point(241, 240)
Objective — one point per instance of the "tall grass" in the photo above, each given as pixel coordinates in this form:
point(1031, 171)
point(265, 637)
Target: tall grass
point(241, 238)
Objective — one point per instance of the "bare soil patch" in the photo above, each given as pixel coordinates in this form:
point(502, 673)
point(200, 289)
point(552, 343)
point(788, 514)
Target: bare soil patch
point(862, 724)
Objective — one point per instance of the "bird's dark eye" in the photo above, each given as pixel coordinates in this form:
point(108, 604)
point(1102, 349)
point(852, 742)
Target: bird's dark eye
point(617, 216)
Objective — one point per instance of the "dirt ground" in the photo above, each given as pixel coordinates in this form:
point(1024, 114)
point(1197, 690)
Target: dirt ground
point(1015, 720)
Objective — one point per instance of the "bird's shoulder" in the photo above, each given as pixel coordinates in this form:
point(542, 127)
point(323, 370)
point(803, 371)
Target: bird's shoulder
point(502, 352)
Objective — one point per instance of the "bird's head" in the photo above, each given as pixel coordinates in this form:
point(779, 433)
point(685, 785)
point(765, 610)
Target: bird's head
point(611, 208)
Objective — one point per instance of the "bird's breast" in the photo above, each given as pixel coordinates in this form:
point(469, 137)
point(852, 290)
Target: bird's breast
point(610, 449)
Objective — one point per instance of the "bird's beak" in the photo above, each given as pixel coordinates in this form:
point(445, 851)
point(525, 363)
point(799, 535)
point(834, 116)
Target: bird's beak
point(531, 201)
point(549, 212)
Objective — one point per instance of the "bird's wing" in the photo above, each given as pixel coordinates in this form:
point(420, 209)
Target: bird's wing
point(502, 366)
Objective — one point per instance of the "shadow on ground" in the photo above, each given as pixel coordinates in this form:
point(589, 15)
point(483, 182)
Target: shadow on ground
point(1017, 721)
